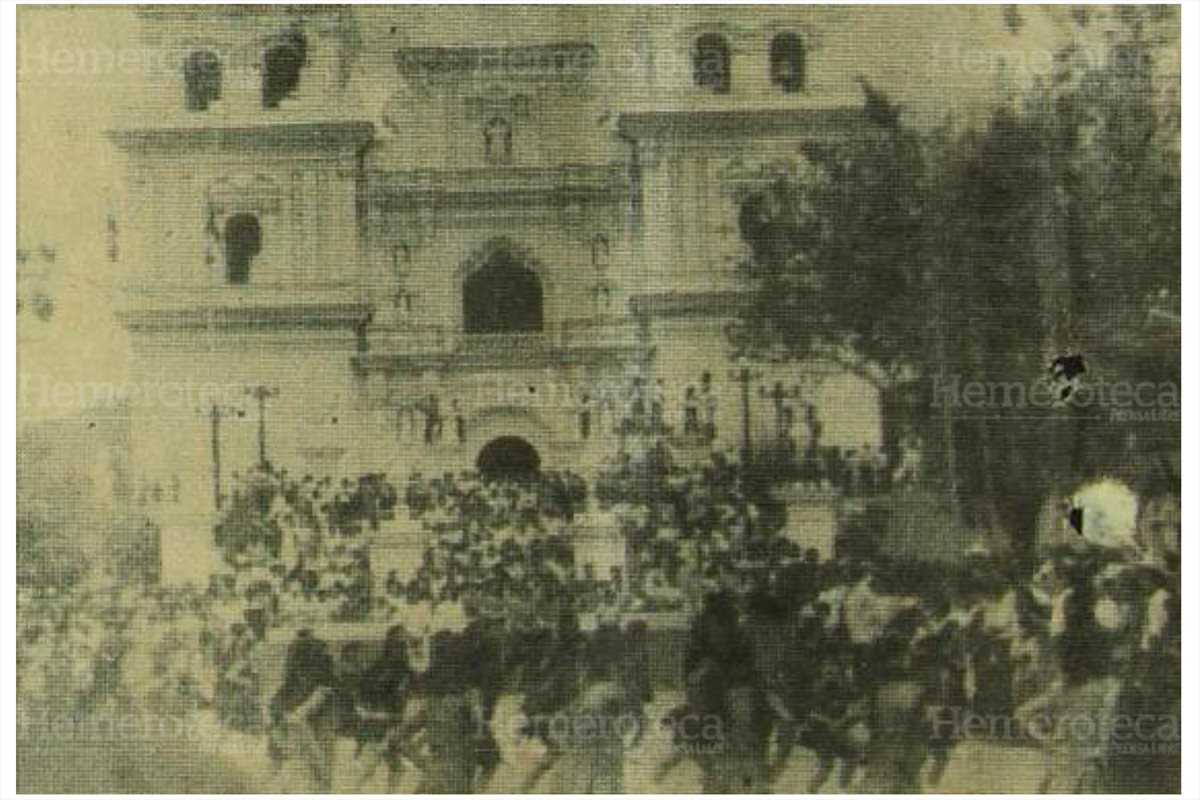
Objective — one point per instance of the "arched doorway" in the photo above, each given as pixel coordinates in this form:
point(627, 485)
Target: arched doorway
point(508, 458)
point(502, 296)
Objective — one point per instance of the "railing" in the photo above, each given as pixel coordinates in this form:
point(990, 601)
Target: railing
point(505, 342)
point(393, 185)
point(411, 340)
point(408, 339)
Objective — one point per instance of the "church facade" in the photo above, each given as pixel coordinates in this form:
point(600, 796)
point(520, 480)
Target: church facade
point(419, 239)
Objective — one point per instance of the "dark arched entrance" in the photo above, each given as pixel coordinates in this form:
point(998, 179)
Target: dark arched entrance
point(508, 458)
point(502, 296)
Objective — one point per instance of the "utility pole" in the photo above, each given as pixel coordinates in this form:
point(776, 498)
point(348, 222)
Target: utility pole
point(215, 417)
point(262, 394)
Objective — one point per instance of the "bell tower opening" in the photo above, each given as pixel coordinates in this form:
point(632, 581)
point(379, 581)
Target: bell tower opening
point(508, 458)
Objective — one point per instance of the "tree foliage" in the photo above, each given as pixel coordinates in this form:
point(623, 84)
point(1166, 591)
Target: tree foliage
point(982, 255)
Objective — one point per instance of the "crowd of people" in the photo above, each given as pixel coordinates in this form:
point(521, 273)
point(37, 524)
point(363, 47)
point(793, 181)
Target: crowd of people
point(509, 541)
point(102, 650)
point(430, 420)
point(880, 670)
point(877, 669)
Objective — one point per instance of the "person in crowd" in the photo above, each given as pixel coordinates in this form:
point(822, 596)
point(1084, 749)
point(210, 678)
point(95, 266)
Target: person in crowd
point(240, 688)
point(638, 404)
point(595, 726)
point(460, 421)
point(585, 416)
point(691, 411)
point(897, 746)
point(722, 686)
point(451, 718)
point(482, 642)
point(658, 404)
point(304, 710)
point(108, 688)
point(553, 683)
point(433, 419)
point(379, 702)
point(865, 469)
point(708, 398)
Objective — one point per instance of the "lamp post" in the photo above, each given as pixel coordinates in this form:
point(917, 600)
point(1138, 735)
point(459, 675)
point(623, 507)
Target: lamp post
point(215, 418)
point(262, 393)
point(744, 376)
point(215, 413)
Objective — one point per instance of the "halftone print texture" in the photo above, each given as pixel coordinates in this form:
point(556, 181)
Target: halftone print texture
point(647, 399)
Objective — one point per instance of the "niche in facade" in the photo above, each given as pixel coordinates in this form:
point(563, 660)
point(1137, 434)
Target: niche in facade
point(498, 141)
point(281, 66)
point(711, 67)
point(202, 79)
point(243, 241)
point(787, 62)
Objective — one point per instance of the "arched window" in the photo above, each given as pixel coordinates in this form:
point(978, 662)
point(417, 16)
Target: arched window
point(202, 78)
point(498, 141)
point(502, 296)
point(711, 63)
point(787, 62)
point(243, 241)
point(281, 67)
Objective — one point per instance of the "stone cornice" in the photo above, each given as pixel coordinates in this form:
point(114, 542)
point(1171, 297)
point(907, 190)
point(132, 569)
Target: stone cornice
point(468, 360)
point(322, 137)
point(537, 60)
point(705, 123)
point(688, 304)
point(318, 316)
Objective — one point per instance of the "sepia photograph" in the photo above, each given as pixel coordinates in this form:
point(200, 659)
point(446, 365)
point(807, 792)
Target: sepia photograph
point(568, 399)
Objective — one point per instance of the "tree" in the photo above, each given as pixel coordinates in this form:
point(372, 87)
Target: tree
point(1064, 221)
point(984, 256)
point(835, 255)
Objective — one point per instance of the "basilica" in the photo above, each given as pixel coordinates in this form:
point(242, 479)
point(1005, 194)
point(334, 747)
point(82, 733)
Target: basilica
point(404, 240)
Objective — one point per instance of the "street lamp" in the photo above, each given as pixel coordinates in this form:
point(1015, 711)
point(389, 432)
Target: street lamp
point(262, 393)
point(744, 376)
point(215, 413)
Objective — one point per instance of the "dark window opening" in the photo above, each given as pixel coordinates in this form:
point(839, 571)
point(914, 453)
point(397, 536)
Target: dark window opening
point(787, 62)
point(498, 141)
point(711, 63)
point(243, 241)
point(202, 75)
point(503, 296)
point(508, 458)
point(281, 67)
